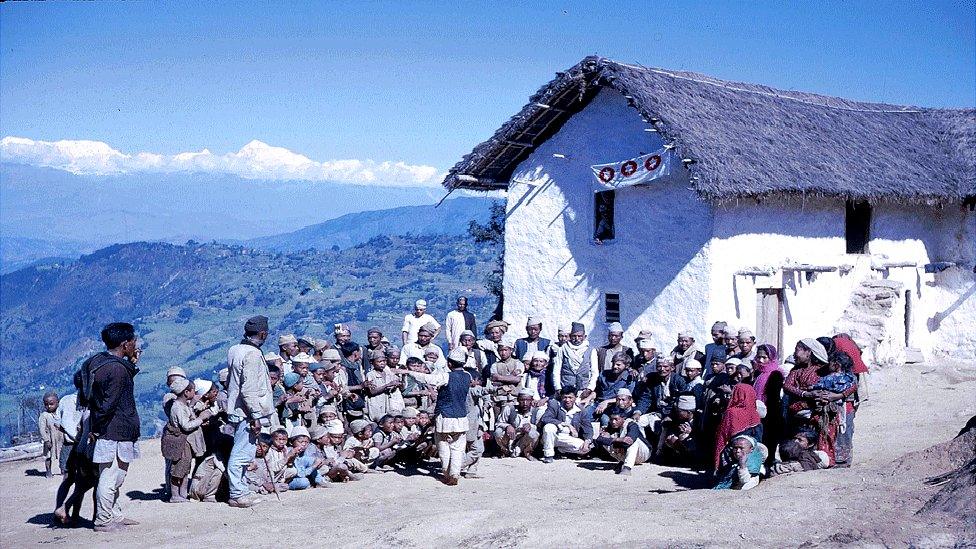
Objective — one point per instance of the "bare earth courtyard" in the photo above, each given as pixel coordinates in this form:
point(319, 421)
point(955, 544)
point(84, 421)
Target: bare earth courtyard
point(569, 503)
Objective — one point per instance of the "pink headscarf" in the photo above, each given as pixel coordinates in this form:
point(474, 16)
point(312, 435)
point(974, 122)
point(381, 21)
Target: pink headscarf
point(763, 373)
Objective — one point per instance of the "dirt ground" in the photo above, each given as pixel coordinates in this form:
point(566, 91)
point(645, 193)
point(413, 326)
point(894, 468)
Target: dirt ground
point(569, 503)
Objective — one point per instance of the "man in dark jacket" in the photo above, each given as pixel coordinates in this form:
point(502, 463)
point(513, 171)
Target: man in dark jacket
point(532, 342)
point(114, 419)
point(564, 427)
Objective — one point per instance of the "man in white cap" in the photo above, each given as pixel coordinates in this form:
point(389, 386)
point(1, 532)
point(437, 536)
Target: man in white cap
point(287, 348)
point(747, 344)
point(452, 424)
point(422, 345)
point(413, 322)
point(459, 320)
point(532, 342)
point(717, 347)
point(477, 359)
point(603, 356)
point(678, 442)
point(517, 431)
point(494, 331)
point(504, 376)
point(624, 440)
point(686, 348)
point(564, 428)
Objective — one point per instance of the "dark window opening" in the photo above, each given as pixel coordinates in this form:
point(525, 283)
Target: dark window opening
point(603, 216)
point(612, 305)
point(857, 228)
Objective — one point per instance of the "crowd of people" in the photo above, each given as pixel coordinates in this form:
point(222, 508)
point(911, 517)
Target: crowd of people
point(315, 411)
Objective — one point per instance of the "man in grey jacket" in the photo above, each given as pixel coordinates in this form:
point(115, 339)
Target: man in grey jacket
point(250, 405)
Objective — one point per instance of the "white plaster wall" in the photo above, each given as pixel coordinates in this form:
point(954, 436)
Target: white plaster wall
point(656, 262)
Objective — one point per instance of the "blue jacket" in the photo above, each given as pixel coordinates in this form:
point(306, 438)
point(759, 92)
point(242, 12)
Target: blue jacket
point(607, 389)
point(650, 394)
point(522, 346)
point(556, 414)
point(452, 398)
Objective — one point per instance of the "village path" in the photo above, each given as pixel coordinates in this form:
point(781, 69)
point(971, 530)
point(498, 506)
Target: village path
point(568, 503)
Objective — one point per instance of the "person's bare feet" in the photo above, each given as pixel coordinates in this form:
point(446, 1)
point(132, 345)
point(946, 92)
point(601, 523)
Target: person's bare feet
point(61, 514)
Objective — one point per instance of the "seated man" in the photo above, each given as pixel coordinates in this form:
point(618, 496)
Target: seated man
point(623, 404)
point(609, 383)
point(678, 442)
point(623, 440)
point(564, 428)
point(517, 432)
point(657, 395)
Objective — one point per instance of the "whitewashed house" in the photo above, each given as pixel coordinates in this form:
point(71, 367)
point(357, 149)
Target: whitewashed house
point(790, 213)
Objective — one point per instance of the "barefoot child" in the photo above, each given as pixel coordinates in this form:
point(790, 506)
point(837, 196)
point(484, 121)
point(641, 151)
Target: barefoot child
point(51, 433)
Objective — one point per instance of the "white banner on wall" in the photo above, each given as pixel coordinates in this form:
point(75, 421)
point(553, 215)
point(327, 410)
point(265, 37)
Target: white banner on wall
point(635, 171)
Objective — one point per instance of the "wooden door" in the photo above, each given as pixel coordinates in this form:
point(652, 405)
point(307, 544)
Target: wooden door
point(769, 316)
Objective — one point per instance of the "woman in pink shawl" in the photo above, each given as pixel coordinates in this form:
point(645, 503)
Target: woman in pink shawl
point(769, 377)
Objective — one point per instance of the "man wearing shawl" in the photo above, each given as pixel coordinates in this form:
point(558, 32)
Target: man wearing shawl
point(740, 418)
point(573, 365)
point(686, 348)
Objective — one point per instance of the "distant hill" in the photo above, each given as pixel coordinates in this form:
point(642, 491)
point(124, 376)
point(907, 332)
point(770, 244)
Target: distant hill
point(450, 218)
point(189, 303)
point(18, 252)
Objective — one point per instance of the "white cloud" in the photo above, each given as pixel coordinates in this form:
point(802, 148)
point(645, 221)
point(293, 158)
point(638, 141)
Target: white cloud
point(256, 160)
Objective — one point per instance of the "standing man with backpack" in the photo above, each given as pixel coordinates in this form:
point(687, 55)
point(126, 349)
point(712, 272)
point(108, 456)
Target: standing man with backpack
point(108, 385)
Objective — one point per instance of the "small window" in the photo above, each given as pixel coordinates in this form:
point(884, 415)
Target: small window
point(603, 216)
point(611, 303)
point(857, 230)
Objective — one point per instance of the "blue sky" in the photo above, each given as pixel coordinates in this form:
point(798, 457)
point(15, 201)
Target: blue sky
point(422, 83)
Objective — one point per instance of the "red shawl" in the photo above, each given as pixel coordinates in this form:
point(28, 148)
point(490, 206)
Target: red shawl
point(739, 416)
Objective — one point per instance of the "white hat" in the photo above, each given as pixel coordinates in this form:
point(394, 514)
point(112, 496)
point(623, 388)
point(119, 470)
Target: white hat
point(420, 304)
point(179, 385)
point(466, 333)
point(331, 354)
point(458, 354)
point(297, 431)
point(334, 427)
point(268, 357)
point(733, 362)
point(615, 328)
point(507, 341)
point(564, 328)
point(687, 403)
point(176, 371)
point(410, 412)
point(691, 363)
point(542, 355)
point(533, 321)
point(202, 386)
point(645, 345)
point(304, 357)
point(623, 391)
point(687, 333)
point(746, 332)
point(286, 339)
point(525, 391)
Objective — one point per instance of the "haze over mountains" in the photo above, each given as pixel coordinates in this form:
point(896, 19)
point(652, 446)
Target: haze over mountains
point(48, 213)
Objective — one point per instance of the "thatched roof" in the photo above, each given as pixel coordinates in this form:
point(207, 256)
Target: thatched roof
point(752, 140)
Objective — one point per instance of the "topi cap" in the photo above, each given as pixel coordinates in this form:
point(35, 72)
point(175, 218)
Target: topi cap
point(564, 329)
point(541, 355)
point(291, 379)
point(687, 333)
point(623, 391)
point(526, 392)
point(316, 432)
point(374, 330)
point(256, 324)
point(466, 333)
point(577, 328)
point(420, 304)
point(691, 363)
point(334, 427)
point(287, 339)
point(615, 328)
point(358, 426)
point(410, 412)
point(304, 357)
point(268, 357)
point(746, 333)
point(458, 354)
point(298, 431)
point(533, 321)
point(176, 371)
point(321, 344)
point(507, 341)
point(645, 344)
point(720, 326)
point(179, 385)
point(201, 386)
point(331, 354)
point(687, 403)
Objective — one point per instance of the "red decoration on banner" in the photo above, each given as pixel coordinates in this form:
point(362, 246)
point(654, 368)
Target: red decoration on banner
point(628, 169)
point(606, 174)
point(652, 163)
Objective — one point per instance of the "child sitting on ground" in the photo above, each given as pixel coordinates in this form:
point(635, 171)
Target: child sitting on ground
point(306, 464)
point(338, 465)
point(387, 440)
point(257, 475)
point(361, 441)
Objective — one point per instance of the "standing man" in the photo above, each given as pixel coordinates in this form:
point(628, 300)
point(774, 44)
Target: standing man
point(287, 348)
point(458, 321)
point(531, 342)
point(716, 348)
point(413, 322)
point(603, 356)
point(114, 419)
point(250, 405)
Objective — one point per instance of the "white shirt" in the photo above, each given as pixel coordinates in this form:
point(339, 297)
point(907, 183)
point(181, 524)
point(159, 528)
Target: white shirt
point(415, 350)
point(412, 323)
point(453, 327)
point(69, 416)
